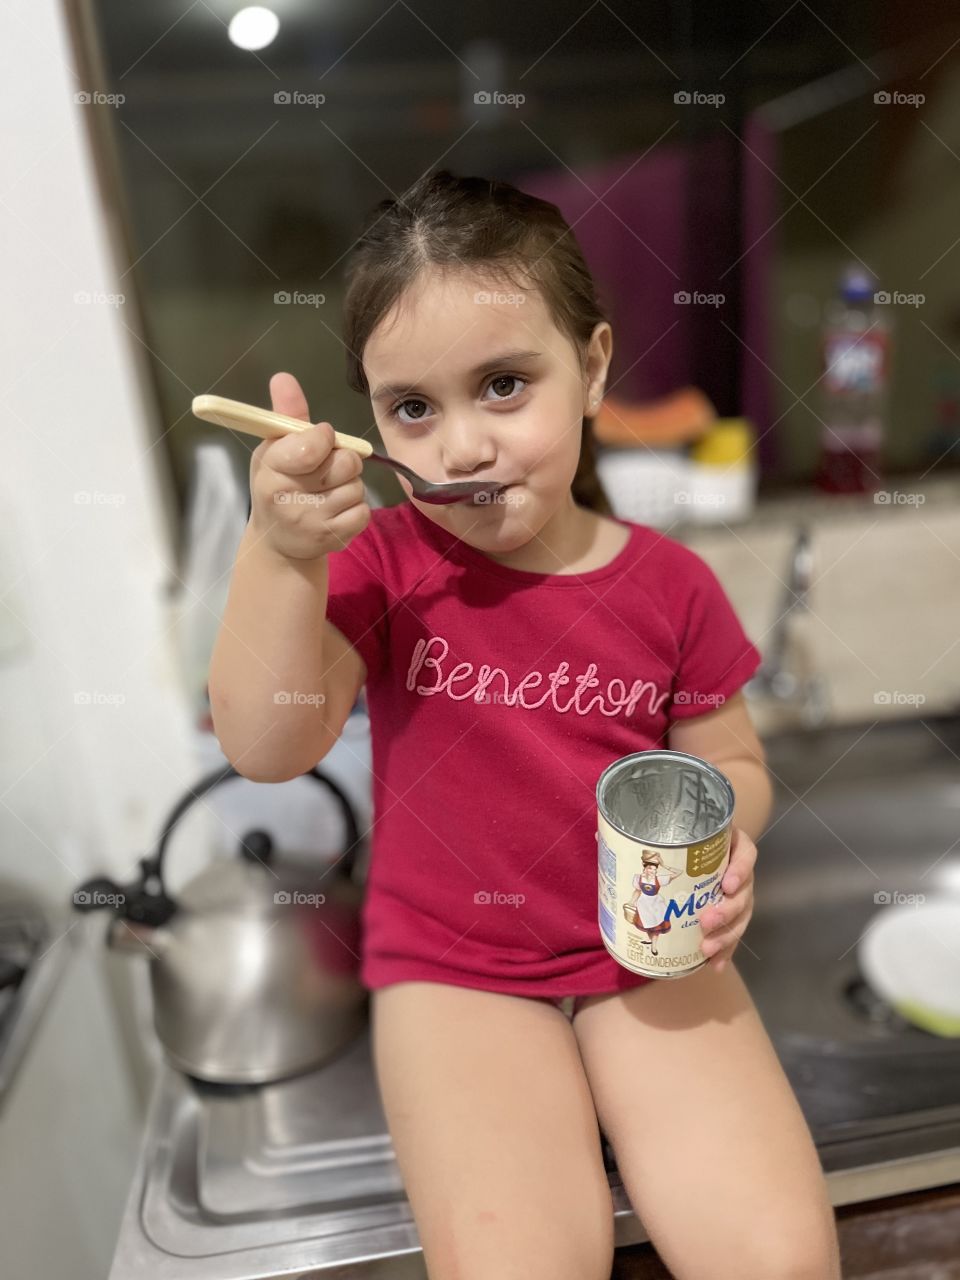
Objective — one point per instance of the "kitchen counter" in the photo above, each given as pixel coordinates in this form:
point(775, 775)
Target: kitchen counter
point(298, 1178)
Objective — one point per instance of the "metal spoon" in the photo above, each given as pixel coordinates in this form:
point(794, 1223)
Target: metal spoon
point(238, 416)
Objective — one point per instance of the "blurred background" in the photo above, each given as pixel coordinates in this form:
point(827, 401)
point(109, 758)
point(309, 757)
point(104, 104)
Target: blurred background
point(240, 179)
point(768, 195)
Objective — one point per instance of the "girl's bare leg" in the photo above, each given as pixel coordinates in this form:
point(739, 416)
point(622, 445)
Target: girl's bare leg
point(714, 1151)
point(495, 1134)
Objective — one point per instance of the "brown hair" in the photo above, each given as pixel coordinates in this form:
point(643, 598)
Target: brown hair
point(448, 222)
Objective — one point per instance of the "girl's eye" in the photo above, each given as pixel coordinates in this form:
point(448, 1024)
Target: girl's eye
point(495, 383)
point(395, 412)
point(506, 377)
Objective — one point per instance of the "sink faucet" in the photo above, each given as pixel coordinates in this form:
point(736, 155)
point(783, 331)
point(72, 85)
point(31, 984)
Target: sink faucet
point(792, 684)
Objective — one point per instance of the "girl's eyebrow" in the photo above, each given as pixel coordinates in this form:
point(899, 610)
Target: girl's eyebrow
point(388, 390)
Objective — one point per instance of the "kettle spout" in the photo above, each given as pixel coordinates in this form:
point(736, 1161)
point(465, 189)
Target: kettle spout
point(137, 939)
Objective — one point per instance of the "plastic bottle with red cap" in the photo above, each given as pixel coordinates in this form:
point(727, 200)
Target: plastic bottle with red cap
point(856, 370)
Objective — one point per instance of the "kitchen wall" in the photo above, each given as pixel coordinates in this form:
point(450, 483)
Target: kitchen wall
point(884, 616)
point(96, 743)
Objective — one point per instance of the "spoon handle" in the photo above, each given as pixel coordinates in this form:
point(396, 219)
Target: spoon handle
point(264, 423)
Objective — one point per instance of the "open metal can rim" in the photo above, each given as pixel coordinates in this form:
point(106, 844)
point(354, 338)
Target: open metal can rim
point(669, 756)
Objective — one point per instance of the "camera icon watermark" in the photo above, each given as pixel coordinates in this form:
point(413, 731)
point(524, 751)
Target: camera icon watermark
point(696, 698)
point(503, 499)
point(885, 298)
point(690, 498)
point(684, 298)
point(486, 898)
point(98, 698)
point(95, 98)
point(298, 698)
point(487, 298)
point(297, 298)
point(894, 98)
point(298, 898)
point(97, 298)
point(494, 98)
point(694, 98)
point(96, 498)
point(96, 898)
point(296, 98)
point(899, 498)
point(897, 698)
point(894, 898)
point(297, 498)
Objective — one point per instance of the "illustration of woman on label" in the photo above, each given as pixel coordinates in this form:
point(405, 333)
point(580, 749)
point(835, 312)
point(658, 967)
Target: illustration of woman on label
point(647, 908)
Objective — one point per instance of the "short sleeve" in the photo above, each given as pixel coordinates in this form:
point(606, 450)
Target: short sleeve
point(357, 603)
point(716, 655)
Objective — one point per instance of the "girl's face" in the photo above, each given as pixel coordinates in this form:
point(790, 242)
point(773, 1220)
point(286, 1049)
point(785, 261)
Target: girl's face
point(471, 382)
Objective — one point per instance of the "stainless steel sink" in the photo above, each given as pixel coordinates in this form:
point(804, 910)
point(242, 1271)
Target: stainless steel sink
point(298, 1178)
point(862, 815)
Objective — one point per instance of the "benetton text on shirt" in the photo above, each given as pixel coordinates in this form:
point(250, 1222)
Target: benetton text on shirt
point(432, 653)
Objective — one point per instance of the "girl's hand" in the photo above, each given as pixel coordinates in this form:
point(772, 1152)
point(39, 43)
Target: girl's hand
point(307, 497)
point(723, 925)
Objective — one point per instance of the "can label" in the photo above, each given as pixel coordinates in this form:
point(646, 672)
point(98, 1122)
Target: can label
point(651, 897)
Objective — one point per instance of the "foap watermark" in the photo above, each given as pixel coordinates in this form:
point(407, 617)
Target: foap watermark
point(687, 496)
point(899, 498)
point(298, 898)
point(494, 298)
point(97, 298)
point(694, 98)
point(495, 98)
point(296, 298)
point(294, 498)
point(97, 898)
point(505, 498)
point(494, 897)
point(886, 298)
point(95, 98)
point(98, 698)
point(96, 498)
point(696, 698)
point(897, 698)
point(894, 98)
point(894, 898)
point(495, 699)
point(297, 98)
point(684, 298)
point(298, 698)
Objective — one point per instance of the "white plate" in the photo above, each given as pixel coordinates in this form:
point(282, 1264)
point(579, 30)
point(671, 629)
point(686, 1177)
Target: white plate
point(910, 956)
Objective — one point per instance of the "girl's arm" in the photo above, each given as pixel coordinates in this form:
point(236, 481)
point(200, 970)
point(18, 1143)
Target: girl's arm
point(274, 646)
point(726, 738)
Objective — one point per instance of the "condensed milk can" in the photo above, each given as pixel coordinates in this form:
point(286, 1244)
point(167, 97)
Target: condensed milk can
point(664, 826)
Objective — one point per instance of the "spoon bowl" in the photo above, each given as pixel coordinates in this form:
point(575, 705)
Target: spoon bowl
point(238, 416)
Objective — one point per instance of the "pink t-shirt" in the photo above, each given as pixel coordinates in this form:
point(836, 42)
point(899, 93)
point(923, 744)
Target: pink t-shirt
point(496, 698)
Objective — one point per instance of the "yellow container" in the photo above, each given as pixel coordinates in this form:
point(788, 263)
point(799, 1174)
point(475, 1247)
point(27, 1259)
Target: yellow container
point(727, 442)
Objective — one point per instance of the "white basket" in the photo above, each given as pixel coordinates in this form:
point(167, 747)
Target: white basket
point(643, 484)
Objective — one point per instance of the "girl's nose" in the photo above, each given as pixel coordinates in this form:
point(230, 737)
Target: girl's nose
point(465, 448)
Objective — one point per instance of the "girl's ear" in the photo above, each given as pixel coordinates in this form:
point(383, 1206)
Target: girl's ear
point(597, 362)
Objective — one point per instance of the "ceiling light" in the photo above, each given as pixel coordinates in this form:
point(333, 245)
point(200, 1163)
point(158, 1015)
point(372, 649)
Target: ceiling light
point(254, 27)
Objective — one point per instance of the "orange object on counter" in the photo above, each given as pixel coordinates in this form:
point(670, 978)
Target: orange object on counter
point(675, 419)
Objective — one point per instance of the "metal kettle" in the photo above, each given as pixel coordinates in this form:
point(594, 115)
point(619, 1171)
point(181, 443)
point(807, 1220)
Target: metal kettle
point(254, 969)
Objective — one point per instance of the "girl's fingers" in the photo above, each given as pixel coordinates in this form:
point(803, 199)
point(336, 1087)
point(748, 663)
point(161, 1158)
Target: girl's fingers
point(725, 940)
point(743, 857)
point(287, 397)
point(734, 906)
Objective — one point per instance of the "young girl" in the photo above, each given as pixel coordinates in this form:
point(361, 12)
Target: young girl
point(510, 651)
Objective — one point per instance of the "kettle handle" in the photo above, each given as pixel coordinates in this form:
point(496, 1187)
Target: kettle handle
point(226, 772)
